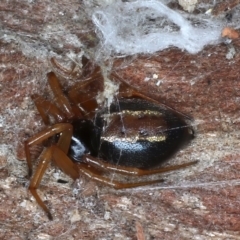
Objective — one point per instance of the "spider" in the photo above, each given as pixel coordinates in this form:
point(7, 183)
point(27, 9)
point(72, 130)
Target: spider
point(132, 136)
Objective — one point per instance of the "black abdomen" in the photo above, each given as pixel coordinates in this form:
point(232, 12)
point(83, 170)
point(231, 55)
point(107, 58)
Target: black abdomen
point(138, 133)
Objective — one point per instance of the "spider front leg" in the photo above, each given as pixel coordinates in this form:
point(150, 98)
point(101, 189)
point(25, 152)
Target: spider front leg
point(61, 110)
point(82, 95)
point(56, 152)
point(46, 109)
point(64, 140)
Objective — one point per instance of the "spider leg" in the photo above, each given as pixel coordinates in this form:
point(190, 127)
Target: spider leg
point(87, 66)
point(83, 93)
point(45, 159)
point(46, 108)
point(109, 182)
point(57, 153)
point(62, 161)
point(61, 99)
point(57, 65)
point(63, 142)
point(130, 170)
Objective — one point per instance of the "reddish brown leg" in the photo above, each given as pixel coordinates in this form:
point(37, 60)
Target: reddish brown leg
point(117, 185)
point(130, 170)
point(87, 67)
point(63, 143)
point(62, 161)
point(56, 152)
point(46, 108)
point(82, 97)
point(83, 94)
point(61, 99)
point(45, 158)
point(57, 65)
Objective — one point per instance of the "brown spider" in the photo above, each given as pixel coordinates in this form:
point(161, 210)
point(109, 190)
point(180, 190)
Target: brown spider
point(133, 136)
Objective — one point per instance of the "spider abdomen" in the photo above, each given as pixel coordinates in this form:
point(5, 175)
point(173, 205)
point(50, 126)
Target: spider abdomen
point(141, 134)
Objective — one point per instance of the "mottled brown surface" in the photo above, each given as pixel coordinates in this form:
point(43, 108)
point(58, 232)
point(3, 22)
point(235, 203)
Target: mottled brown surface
point(224, 6)
point(198, 85)
point(201, 202)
